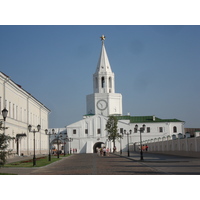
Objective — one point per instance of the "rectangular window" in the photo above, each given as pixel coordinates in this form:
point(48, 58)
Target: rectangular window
point(86, 131)
point(13, 111)
point(98, 131)
point(121, 130)
point(74, 131)
point(148, 129)
point(160, 129)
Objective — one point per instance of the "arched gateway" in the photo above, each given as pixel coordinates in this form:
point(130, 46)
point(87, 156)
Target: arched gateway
point(98, 144)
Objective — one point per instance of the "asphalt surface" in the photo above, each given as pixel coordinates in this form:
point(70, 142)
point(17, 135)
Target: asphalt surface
point(115, 164)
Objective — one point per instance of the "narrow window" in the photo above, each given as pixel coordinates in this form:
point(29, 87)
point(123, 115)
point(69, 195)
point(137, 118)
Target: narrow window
point(148, 129)
point(86, 131)
point(160, 129)
point(98, 131)
point(110, 82)
point(102, 82)
point(121, 130)
point(74, 131)
point(175, 129)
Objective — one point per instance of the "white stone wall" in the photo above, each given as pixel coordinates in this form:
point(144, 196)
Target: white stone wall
point(98, 123)
point(173, 144)
point(23, 109)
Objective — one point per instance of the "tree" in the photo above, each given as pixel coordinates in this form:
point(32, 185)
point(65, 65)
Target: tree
point(112, 129)
point(4, 141)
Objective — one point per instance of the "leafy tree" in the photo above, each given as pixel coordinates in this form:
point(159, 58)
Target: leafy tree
point(112, 129)
point(4, 141)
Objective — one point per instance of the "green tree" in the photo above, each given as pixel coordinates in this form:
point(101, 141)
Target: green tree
point(4, 141)
point(112, 128)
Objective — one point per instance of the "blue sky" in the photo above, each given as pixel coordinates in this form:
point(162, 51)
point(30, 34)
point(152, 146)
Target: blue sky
point(157, 68)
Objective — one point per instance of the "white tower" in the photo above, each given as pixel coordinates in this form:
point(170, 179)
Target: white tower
point(104, 100)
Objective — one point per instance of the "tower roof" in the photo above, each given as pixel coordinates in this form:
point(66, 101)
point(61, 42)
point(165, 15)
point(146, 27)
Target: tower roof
point(103, 63)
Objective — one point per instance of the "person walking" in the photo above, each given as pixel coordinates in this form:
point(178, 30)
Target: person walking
point(104, 151)
point(107, 151)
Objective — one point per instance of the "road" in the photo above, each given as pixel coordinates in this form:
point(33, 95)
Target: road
point(92, 164)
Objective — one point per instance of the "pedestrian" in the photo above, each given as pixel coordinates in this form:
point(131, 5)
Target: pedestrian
point(107, 151)
point(104, 151)
point(98, 151)
point(101, 151)
point(114, 149)
point(147, 148)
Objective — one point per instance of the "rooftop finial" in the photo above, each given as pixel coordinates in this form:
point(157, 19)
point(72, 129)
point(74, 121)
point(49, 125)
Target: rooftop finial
point(103, 38)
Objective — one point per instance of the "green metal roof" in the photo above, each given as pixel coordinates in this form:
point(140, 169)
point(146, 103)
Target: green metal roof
point(145, 119)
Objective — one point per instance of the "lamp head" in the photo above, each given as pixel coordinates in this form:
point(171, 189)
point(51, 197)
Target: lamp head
point(4, 113)
point(38, 127)
point(29, 128)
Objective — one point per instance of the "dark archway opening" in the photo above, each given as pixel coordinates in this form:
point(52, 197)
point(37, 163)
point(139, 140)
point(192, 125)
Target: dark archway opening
point(98, 144)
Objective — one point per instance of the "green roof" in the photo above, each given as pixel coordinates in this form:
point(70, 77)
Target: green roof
point(145, 119)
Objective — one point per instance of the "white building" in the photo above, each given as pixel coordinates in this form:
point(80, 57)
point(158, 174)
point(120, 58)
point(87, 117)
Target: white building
point(23, 109)
point(90, 132)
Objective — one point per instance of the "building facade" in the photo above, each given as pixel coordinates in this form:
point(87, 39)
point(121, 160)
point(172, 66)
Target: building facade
point(23, 110)
point(89, 133)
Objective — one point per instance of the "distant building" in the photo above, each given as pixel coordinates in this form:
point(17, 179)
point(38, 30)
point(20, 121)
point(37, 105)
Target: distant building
point(89, 133)
point(23, 109)
point(192, 131)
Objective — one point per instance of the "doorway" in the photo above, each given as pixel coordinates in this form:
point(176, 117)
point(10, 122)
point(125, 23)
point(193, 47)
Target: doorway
point(98, 144)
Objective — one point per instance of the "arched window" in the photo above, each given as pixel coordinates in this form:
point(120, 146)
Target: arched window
point(110, 82)
point(102, 82)
point(175, 129)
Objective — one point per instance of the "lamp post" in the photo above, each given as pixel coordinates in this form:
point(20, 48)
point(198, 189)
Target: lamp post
point(34, 131)
point(121, 143)
point(141, 130)
point(128, 133)
point(64, 140)
point(49, 134)
point(4, 113)
point(57, 138)
point(70, 140)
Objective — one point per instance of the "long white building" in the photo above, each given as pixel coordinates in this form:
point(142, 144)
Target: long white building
point(90, 132)
point(23, 109)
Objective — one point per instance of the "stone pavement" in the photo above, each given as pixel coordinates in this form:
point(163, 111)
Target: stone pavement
point(115, 164)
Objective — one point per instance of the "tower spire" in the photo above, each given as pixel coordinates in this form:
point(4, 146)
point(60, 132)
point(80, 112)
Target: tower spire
point(103, 64)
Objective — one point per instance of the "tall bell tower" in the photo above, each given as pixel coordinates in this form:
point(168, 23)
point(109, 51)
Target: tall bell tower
point(104, 100)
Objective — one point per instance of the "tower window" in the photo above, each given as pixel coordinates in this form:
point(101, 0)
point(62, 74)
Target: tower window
point(102, 82)
point(110, 82)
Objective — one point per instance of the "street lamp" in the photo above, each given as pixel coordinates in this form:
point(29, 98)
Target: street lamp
point(128, 133)
point(4, 113)
point(34, 131)
point(70, 140)
point(121, 143)
point(57, 138)
point(64, 140)
point(141, 130)
point(49, 134)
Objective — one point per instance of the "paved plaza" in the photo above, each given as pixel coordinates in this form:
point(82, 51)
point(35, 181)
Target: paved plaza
point(115, 164)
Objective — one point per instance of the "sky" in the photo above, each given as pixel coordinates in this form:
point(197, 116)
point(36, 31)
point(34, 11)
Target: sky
point(157, 68)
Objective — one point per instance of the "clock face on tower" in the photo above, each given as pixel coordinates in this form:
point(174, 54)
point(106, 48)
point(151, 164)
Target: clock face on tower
point(102, 104)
